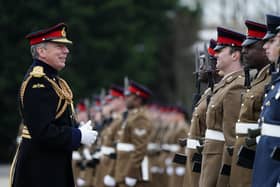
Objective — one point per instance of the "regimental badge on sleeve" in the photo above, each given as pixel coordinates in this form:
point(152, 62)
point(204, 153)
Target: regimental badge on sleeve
point(139, 132)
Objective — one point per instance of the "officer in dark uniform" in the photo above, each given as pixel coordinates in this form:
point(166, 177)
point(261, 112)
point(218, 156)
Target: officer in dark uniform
point(50, 132)
point(266, 170)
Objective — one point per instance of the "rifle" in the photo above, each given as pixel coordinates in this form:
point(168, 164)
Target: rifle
point(197, 94)
point(209, 69)
point(247, 82)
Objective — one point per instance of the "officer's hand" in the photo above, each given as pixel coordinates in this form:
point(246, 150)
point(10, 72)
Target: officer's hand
point(88, 135)
point(130, 181)
point(109, 181)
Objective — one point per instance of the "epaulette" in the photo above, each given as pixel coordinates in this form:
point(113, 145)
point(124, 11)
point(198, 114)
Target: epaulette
point(37, 72)
point(207, 91)
point(229, 79)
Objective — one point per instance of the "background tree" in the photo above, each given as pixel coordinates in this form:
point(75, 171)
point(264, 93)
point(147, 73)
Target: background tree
point(112, 39)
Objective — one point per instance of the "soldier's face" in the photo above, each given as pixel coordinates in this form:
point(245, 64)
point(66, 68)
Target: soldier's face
point(254, 55)
point(272, 47)
point(129, 100)
point(224, 59)
point(54, 54)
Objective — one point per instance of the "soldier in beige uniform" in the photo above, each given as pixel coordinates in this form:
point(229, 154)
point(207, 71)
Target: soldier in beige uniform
point(254, 57)
point(154, 145)
point(132, 164)
point(223, 110)
point(82, 116)
point(107, 138)
point(159, 168)
point(181, 118)
point(198, 122)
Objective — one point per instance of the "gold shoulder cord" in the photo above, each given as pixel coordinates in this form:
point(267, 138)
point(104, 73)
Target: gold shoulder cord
point(64, 93)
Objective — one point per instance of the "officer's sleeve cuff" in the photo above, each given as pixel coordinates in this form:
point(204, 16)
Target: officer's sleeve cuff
point(76, 138)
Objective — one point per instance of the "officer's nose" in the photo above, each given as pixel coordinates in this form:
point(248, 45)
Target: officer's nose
point(65, 49)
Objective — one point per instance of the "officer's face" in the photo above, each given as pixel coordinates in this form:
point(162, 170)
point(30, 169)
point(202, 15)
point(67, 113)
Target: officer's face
point(224, 60)
point(272, 47)
point(54, 54)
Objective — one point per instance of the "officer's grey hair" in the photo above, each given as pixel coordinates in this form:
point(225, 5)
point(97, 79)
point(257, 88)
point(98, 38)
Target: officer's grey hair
point(33, 49)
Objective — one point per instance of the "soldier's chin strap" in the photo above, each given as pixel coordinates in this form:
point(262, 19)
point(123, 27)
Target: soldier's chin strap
point(247, 82)
point(272, 68)
point(278, 61)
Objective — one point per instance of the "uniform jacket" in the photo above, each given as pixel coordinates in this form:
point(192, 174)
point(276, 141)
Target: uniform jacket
point(197, 130)
point(249, 113)
point(222, 114)
point(106, 162)
point(135, 130)
point(266, 171)
point(49, 136)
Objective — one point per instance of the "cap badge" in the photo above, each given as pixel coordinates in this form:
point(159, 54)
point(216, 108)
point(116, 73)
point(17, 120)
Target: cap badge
point(63, 32)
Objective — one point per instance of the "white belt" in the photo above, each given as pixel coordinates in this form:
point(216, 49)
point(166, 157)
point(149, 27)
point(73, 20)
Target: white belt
point(214, 135)
point(107, 150)
point(127, 147)
point(192, 143)
point(174, 148)
point(153, 146)
point(271, 130)
point(171, 147)
point(165, 147)
point(242, 128)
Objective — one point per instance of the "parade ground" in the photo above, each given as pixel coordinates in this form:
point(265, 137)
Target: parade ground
point(4, 175)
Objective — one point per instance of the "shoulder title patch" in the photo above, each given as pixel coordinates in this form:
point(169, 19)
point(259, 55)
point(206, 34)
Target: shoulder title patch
point(37, 72)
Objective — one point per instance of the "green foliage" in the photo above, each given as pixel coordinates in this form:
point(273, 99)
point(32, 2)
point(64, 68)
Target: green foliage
point(111, 38)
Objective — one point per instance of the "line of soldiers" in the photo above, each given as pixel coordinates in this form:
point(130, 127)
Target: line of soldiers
point(137, 142)
point(234, 134)
point(233, 138)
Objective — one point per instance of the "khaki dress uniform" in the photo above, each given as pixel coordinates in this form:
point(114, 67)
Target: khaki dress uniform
point(154, 152)
point(107, 149)
point(197, 131)
point(221, 116)
point(177, 178)
point(249, 114)
point(132, 148)
point(157, 167)
point(168, 150)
